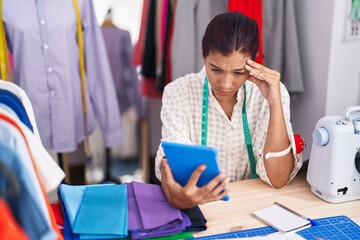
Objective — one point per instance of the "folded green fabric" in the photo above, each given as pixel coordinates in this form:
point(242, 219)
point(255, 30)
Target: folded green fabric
point(183, 235)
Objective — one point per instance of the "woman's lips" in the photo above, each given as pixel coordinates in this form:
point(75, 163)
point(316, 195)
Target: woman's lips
point(224, 93)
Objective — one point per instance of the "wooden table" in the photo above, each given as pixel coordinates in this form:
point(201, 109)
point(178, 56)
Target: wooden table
point(250, 195)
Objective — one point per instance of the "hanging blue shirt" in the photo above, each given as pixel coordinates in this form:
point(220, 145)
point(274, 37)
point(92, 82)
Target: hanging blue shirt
point(41, 35)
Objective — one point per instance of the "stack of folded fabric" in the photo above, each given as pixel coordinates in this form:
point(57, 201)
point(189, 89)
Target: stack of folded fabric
point(94, 211)
point(112, 211)
point(150, 214)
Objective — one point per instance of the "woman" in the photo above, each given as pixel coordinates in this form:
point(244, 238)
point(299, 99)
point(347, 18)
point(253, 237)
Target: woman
point(233, 104)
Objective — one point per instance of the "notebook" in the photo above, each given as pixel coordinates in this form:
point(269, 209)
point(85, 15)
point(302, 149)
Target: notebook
point(282, 218)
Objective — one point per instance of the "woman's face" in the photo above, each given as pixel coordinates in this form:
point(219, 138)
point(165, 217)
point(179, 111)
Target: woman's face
point(226, 74)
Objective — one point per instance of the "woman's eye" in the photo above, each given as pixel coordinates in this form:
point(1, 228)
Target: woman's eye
point(239, 73)
point(215, 70)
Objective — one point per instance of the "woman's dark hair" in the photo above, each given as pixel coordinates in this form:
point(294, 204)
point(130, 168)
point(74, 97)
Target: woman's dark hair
point(229, 32)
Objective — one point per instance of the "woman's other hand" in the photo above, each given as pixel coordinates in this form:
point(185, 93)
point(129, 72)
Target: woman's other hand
point(190, 195)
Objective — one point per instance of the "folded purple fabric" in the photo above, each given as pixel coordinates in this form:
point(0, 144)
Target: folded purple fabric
point(152, 202)
point(150, 214)
point(134, 219)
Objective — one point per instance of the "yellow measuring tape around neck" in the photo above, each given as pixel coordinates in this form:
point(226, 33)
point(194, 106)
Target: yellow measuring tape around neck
point(82, 74)
point(4, 58)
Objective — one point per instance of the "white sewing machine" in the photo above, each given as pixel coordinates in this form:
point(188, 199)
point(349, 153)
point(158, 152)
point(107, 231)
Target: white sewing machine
point(334, 165)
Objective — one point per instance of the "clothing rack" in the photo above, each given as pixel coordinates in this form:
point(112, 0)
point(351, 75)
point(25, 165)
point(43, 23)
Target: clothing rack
point(62, 161)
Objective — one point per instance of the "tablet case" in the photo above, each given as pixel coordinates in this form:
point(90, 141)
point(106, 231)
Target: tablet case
point(183, 159)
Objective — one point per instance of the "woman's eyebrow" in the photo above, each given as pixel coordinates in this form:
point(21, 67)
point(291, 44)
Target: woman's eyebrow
point(238, 69)
point(212, 65)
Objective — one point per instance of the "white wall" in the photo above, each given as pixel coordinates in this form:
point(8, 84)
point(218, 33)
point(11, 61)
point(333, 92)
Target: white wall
point(330, 65)
point(126, 14)
point(344, 67)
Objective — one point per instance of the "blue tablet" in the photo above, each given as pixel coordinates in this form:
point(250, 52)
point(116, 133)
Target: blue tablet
point(183, 159)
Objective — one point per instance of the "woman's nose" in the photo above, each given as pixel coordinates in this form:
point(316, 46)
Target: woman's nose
point(227, 82)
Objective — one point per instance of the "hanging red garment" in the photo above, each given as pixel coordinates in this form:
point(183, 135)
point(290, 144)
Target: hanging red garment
point(9, 228)
point(139, 46)
point(58, 213)
point(156, 69)
point(253, 9)
point(149, 61)
point(167, 20)
point(168, 56)
point(148, 88)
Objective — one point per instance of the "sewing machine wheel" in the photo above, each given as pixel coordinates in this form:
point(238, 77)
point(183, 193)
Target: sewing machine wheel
point(357, 161)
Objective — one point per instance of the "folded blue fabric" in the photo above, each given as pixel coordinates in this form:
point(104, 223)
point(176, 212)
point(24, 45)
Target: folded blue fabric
point(68, 234)
point(102, 213)
point(71, 197)
point(71, 200)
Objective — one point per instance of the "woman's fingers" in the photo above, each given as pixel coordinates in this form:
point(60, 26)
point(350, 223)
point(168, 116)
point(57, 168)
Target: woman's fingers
point(221, 188)
point(254, 69)
point(258, 77)
point(194, 178)
point(261, 72)
point(191, 193)
point(215, 189)
point(166, 173)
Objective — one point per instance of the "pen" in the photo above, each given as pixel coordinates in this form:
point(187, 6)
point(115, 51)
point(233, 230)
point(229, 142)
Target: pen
point(313, 223)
